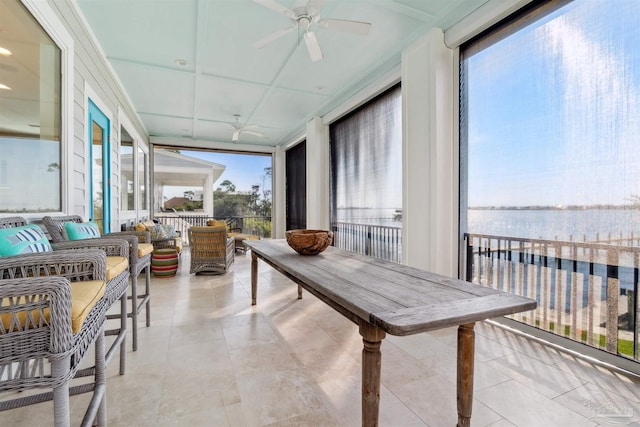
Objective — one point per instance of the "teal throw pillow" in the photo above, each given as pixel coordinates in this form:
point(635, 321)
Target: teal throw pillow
point(84, 230)
point(23, 240)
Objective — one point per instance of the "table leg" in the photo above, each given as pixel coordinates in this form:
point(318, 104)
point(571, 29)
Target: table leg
point(372, 337)
point(254, 278)
point(466, 338)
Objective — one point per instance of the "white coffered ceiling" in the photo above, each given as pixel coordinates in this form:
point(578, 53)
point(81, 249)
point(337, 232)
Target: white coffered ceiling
point(189, 65)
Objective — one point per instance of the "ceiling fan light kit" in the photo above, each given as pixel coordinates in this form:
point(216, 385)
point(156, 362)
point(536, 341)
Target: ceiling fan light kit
point(304, 18)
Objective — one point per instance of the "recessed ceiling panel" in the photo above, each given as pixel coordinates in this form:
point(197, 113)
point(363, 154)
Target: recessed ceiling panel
point(145, 31)
point(232, 29)
point(283, 107)
point(167, 126)
point(157, 90)
point(219, 99)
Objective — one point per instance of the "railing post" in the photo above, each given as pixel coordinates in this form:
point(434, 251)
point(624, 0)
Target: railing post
point(469, 268)
point(613, 287)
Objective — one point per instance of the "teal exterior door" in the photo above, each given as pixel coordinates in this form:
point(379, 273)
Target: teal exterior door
point(99, 170)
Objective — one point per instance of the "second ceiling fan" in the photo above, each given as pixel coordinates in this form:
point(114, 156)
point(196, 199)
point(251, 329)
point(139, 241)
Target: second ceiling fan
point(304, 18)
point(239, 128)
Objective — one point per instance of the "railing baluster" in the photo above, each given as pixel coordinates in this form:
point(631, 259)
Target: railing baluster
point(573, 310)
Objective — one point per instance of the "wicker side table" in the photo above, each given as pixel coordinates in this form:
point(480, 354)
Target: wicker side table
point(239, 241)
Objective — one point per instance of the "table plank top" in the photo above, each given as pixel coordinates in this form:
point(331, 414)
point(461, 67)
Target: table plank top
point(399, 299)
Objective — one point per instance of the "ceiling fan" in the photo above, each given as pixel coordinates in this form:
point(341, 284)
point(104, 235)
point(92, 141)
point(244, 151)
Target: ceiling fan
point(304, 18)
point(239, 128)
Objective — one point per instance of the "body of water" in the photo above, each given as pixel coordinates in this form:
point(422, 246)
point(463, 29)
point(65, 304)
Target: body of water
point(389, 217)
point(552, 224)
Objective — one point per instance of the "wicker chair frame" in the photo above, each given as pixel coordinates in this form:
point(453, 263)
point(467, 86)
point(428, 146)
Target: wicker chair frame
point(42, 351)
point(139, 300)
point(211, 250)
point(116, 287)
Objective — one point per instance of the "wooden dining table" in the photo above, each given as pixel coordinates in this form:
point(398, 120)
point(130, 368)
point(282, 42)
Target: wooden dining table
point(382, 298)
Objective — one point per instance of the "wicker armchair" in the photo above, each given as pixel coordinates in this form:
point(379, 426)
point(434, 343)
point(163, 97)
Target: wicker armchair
point(117, 252)
point(44, 334)
point(211, 249)
point(139, 260)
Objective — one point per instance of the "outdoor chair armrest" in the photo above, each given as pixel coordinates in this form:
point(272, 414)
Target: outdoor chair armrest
point(112, 247)
point(164, 243)
point(41, 297)
point(133, 237)
point(143, 236)
point(75, 265)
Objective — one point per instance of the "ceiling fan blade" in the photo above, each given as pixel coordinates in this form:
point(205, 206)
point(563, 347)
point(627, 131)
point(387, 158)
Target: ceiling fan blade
point(313, 47)
point(272, 37)
point(236, 136)
point(277, 7)
point(354, 27)
point(254, 133)
point(315, 4)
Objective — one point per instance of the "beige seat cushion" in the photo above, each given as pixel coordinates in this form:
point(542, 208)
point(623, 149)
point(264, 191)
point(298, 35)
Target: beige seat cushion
point(116, 265)
point(144, 249)
point(241, 236)
point(84, 296)
point(217, 223)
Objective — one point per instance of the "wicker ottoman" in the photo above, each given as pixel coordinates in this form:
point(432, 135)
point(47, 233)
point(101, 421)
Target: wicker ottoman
point(164, 262)
point(239, 241)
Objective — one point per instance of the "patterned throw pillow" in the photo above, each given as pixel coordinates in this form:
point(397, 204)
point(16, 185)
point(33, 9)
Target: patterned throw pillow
point(162, 231)
point(23, 240)
point(169, 231)
point(157, 232)
point(84, 230)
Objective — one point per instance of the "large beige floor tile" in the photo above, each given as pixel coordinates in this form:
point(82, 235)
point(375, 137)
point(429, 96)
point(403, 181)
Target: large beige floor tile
point(524, 407)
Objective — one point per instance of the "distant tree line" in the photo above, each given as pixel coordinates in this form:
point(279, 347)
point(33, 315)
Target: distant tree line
point(227, 202)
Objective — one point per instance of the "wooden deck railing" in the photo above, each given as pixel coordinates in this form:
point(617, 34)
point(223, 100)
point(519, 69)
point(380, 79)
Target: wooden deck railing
point(587, 292)
point(377, 241)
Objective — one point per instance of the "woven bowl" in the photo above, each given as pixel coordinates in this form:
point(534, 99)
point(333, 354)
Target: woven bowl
point(309, 242)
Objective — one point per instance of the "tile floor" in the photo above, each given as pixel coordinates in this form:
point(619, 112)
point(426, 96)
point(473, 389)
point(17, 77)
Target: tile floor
point(211, 359)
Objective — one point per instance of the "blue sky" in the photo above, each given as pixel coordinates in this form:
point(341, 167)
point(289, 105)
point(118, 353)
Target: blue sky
point(243, 170)
point(554, 110)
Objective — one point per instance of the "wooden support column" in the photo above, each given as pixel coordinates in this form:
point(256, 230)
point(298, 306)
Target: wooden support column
point(372, 337)
point(254, 278)
point(466, 344)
